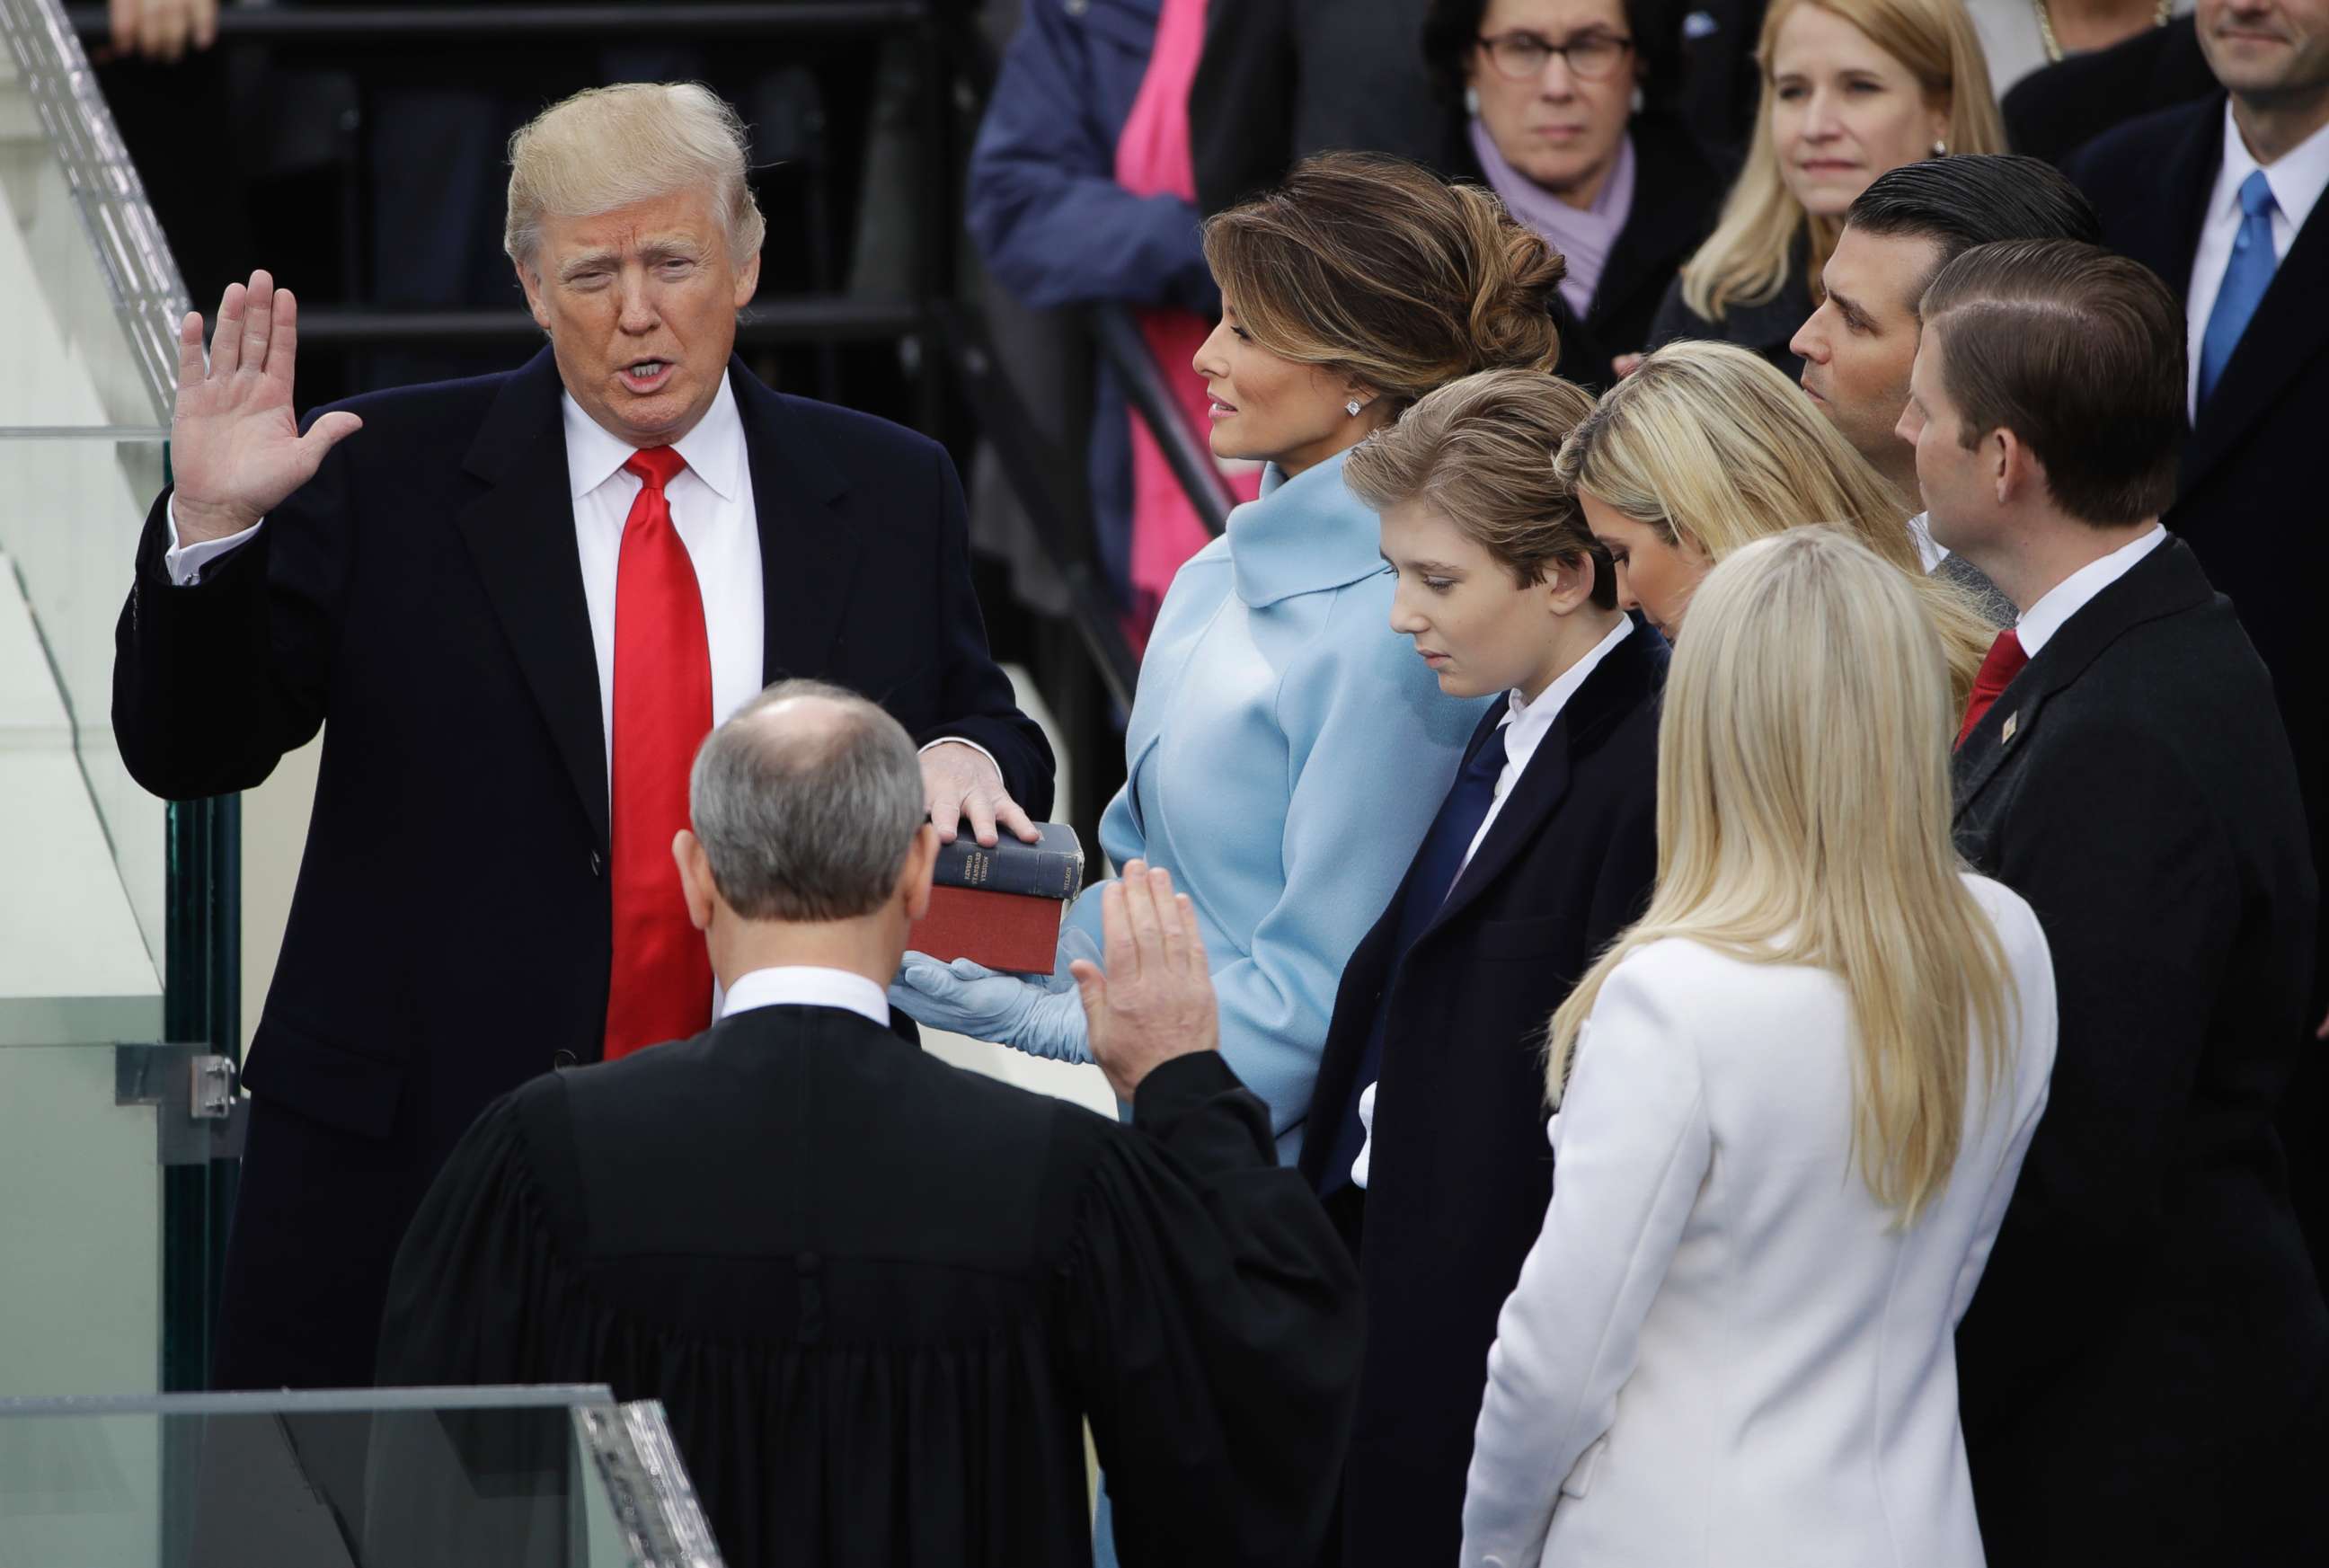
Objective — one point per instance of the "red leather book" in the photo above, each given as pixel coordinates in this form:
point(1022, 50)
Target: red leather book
point(1002, 907)
point(1013, 931)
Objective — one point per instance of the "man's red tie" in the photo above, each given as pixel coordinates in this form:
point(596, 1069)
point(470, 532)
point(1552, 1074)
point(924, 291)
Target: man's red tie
point(661, 986)
point(2004, 661)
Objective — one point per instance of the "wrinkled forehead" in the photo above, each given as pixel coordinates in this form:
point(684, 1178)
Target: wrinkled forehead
point(684, 224)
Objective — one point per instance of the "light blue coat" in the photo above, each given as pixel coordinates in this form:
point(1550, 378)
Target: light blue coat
point(1286, 751)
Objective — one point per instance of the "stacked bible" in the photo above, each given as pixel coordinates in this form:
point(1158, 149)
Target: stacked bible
point(1002, 907)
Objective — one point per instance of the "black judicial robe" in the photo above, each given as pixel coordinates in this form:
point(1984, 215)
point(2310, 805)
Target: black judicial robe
point(878, 1296)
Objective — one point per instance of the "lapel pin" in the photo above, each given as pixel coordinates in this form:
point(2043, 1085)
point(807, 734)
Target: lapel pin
point(2006, 734)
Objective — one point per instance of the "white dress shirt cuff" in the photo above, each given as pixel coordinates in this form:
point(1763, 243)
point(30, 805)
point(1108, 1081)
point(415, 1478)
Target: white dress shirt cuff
point(959, 741)
point(1367, 1142)
point(184, 563)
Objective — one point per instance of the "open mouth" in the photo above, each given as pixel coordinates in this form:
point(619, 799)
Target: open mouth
point(1222, 411)
point(646, 374)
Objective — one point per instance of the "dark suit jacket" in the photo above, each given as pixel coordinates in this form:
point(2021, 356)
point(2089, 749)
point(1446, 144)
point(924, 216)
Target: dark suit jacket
point(449, 936)
point(1459, 1175)
point(2148, 1326)
point(2246, 501)
point(2058, 108)
point(1676, 191)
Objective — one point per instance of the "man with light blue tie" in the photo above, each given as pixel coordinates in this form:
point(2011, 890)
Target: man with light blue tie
point(2222, 198)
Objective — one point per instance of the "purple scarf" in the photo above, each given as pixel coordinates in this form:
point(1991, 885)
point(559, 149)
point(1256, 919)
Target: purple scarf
point(1582, 235)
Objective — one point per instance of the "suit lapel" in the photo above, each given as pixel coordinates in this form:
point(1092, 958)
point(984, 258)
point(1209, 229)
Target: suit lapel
point(1627, 676)
point(2167, 581)
point(520, 533)
point(809, 542)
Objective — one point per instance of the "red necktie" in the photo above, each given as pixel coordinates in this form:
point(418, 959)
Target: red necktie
point(661, 985)
point(2004, 661)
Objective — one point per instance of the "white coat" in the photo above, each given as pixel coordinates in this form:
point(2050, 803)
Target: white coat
point(1721, 1350)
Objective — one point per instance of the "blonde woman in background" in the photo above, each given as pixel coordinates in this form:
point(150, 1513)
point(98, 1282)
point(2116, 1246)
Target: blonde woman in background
point(1792, 1102)
point(1851, 89)
point(1705, 448)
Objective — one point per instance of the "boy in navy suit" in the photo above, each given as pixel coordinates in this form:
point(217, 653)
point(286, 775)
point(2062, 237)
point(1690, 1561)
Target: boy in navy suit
point(1432, 1081)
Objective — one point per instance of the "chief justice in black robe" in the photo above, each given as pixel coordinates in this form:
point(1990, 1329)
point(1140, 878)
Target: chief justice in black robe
point(880, 1296)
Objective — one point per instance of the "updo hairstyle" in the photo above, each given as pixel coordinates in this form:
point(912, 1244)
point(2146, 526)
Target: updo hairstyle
point(1375, 268)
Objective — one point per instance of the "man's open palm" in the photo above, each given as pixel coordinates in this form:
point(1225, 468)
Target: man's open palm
point(235, 446)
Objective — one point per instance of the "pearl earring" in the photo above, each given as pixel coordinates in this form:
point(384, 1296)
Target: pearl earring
point(1941, 148)
point(1353, 408)
point(1472, 101)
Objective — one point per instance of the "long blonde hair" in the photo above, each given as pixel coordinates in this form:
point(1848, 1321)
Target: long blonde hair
point(1804, 819)
point(1710, 445)
point(1745, 260)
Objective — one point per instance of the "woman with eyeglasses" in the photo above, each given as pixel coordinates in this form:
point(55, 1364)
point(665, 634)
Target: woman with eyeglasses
point(1555, 121)
point(1851, 89)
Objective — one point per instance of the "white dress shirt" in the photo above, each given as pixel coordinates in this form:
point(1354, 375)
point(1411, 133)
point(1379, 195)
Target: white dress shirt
point(2297, 180)
point(2058, 603)
point(807, 986)
point(1525, 725)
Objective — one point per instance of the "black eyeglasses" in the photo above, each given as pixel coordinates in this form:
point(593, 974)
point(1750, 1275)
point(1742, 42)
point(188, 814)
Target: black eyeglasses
point(1590, 56)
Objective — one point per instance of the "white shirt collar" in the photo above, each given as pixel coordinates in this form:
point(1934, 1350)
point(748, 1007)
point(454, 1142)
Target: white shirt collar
point(713, 451)
point(2297, 177)
point(1526, 724)
point(1930, 550)
point(807, 986)
point(2058, 603)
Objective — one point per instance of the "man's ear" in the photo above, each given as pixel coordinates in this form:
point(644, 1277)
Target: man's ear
point(914, 876)
point(531, 281)
point(2017, 466)
point(748, 279)
point(694, 878)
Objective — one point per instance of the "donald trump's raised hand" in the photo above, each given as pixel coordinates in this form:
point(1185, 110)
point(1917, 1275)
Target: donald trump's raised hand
point(235, 446)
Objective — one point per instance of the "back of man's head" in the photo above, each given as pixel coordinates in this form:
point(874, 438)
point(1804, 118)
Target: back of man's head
point(2080, 354)
point(805, 803)
point(1971, 200)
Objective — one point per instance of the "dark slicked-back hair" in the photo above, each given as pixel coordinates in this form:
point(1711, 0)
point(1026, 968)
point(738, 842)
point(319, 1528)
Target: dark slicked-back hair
point(2079, 352)
point(1974, 199)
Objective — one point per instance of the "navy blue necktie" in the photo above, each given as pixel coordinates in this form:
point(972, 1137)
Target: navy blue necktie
point(2246, 275)
point(1436, 864)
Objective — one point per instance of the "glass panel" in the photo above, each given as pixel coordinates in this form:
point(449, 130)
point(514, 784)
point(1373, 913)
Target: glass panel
point(106, 1250)
point(384, 1479)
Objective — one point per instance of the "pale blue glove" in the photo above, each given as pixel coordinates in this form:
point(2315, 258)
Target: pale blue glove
point(1043, 1016)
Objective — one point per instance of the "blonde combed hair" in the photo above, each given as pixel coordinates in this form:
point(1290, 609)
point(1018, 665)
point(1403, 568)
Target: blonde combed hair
point(1804, 819)
point(609, 146)
point(1745, 260)
point(1712, 446)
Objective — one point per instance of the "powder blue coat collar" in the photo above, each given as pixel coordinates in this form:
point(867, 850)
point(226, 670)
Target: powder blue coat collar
point(1305, 535)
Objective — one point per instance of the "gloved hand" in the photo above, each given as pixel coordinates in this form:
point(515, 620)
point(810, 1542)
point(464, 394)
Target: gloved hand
point(1042, 1016)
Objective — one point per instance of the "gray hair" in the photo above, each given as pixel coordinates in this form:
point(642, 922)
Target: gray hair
point(609, 147)
point(806, 815)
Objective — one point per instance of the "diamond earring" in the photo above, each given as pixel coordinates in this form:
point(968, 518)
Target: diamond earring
point(1941, 148)
point(1353, 408)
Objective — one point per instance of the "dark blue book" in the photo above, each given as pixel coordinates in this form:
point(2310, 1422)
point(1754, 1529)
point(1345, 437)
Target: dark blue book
point(1054, 868)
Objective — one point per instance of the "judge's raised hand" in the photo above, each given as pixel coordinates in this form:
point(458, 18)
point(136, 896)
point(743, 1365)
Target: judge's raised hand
point(235, 446)
point(1155, 1001)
